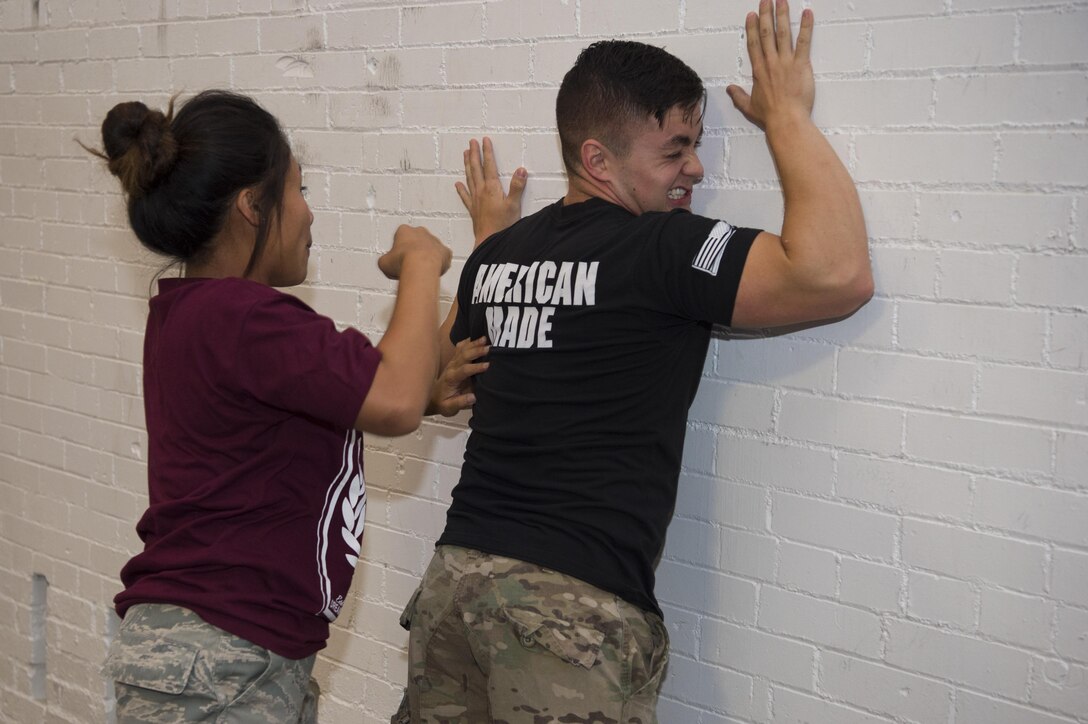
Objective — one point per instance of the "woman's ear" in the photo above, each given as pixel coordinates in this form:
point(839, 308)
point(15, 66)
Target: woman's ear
point(246, 204)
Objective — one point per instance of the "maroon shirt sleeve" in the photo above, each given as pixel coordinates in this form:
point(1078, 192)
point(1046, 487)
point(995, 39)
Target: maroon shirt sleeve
point(294, 359)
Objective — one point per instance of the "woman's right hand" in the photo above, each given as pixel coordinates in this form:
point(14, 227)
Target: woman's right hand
point(409, 241)
point(410, 349)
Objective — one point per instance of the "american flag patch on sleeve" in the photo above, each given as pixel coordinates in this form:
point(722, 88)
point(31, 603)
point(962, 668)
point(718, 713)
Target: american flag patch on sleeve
point(710, 253)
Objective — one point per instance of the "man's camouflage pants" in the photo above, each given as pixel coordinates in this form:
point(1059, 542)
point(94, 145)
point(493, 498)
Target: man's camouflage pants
point(494, 639)
point(168, 665)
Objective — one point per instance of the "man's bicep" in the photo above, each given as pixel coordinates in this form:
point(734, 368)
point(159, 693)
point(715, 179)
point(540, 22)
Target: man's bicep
point(772, 292)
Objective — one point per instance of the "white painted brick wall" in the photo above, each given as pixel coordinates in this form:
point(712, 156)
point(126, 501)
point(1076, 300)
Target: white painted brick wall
point(880, 521)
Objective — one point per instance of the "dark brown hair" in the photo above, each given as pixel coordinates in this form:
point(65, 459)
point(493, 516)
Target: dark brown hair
point(181, 173)
point(615, 83)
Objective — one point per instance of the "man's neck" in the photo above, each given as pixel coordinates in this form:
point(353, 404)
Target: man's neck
point(580, 189)
point(576, 196)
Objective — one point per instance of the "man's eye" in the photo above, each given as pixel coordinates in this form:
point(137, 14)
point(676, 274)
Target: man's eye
point(305, 191)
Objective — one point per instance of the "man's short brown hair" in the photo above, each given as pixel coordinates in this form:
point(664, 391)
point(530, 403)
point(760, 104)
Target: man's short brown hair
point(615, 83)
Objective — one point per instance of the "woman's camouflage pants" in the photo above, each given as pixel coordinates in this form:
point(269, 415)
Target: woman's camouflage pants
point(168, 665)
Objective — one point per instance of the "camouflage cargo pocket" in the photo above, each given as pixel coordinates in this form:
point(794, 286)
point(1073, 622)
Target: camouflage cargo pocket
point(577, 645)
point(404, 711)
point(159, 665)
point(409, 610)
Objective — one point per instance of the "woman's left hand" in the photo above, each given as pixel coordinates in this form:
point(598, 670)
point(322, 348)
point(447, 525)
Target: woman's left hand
point(453, 390)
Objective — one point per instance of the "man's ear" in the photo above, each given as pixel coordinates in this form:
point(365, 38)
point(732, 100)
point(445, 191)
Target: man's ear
point(246, 204)
point(597, 160)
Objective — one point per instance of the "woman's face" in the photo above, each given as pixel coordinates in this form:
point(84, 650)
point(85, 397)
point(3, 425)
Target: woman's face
point(286, 255)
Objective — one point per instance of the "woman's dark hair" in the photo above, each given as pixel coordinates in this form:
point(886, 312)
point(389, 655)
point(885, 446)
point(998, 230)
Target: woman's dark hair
point(181, 173)
point(615, 83)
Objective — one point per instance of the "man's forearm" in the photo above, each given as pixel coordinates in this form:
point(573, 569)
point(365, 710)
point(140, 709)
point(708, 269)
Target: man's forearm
point(823, 231)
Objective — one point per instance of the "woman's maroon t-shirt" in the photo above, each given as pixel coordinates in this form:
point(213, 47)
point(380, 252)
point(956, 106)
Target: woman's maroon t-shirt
point(255, 470)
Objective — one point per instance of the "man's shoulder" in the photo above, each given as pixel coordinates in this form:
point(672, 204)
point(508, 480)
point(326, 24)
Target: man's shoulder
point(595, 224)
point(668, 227)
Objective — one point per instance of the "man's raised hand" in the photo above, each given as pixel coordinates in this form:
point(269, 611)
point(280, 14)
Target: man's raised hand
point(783, 86)
point(491, 208)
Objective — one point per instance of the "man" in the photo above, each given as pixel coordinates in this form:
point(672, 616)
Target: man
point(539, 605)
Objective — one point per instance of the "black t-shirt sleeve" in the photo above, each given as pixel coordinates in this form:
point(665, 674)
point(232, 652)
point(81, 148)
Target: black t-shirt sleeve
point(696, 264)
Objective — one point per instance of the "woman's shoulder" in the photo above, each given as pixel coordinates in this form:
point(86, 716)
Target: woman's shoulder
point(228, 292)
point(228, 305)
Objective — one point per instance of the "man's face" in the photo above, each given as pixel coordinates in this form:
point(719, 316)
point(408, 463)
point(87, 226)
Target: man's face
point(661, 165)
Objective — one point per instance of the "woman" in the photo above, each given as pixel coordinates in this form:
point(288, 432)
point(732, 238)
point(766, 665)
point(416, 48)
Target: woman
point(255, 405)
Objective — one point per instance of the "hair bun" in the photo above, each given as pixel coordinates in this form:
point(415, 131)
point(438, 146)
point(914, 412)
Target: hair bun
point(139, 145)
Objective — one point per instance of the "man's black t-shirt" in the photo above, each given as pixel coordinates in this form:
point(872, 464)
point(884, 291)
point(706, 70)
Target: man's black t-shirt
point(599, 323)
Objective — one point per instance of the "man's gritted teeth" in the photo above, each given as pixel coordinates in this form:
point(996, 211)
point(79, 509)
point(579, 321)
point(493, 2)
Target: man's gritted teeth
point(679, 196)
